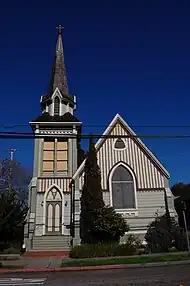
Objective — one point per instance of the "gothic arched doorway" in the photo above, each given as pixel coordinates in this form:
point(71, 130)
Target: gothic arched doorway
point(53, 212)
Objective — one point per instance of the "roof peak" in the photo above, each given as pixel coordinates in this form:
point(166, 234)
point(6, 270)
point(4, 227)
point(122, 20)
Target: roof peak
point(58, 76)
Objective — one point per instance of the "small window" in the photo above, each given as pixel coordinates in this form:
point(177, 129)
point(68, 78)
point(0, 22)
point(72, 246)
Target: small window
point(119, 144)
point(56, 105)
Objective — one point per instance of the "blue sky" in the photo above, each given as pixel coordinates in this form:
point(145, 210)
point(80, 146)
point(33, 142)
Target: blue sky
point(130, 57)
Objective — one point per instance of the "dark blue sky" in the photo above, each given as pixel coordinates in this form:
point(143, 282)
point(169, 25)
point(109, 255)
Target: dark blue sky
point(130, 57)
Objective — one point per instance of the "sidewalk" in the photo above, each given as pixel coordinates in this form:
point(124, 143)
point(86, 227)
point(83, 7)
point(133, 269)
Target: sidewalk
point(52, 267)
point(31, 263)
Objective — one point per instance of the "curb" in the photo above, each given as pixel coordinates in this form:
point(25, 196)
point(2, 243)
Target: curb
point(91, 268)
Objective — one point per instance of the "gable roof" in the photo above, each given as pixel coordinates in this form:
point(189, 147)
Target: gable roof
point(110, 127)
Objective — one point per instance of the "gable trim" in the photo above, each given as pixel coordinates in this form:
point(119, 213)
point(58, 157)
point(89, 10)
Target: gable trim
point(110, 127)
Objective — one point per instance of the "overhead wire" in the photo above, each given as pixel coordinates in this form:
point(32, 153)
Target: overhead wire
point(30, 135)
point(104, 125)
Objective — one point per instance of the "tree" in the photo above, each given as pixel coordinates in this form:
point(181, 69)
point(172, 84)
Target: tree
point(98, 223)
point(14, 175)
point(13, 202)
point(158, 236)
point(182, 191)
point(167, 214)
point(13, 211)
point(92, 198)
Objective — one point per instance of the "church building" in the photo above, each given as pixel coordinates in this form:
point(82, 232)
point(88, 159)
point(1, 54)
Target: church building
point(133, 180)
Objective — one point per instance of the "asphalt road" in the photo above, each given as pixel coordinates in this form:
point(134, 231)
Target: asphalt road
point(165, 275)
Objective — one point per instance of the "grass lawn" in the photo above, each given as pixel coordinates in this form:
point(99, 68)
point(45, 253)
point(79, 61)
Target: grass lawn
point(10, 266)
point(4, 266)
point(125, 260)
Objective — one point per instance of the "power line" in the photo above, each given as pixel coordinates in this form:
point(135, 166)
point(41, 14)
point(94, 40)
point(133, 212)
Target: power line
point(142, 126)
point(26, 134)
point(22, 135)
point(104, 125)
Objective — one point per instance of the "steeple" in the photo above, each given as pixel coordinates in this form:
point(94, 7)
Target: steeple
point(58, 76)
point(57, 100)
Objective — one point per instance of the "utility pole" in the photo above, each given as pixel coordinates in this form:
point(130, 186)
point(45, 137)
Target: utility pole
point(11, 151)
point(185, 224)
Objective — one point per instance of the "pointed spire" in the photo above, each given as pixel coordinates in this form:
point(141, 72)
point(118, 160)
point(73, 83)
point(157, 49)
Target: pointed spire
point(58, 77)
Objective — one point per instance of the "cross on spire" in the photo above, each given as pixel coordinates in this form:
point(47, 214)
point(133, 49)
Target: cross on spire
point(59, 28)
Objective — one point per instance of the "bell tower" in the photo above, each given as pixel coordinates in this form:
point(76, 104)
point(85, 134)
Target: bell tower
point(56, 148)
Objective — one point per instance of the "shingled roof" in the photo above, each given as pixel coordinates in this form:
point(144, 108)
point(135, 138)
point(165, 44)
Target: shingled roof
point(58, 74)
point(46, 117)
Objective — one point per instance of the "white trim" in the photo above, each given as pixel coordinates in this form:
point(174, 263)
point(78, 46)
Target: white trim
point(107, 131)
point(55, 123)
point(119, 149)
point(130, 210)
point(33, 182)
point(56, 93)
point(44, 208)
point(136, 232)
point(127, 213)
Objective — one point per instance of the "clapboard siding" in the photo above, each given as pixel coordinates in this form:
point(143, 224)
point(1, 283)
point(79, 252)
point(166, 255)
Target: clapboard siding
point(149, 203)
point(147, 173)
point(67, 209)
point(153, 198)
point(39, 215)
point(139, 223)
point(106, 197)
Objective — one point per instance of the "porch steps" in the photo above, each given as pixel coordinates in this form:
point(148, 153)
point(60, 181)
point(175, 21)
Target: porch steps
point(51, 243)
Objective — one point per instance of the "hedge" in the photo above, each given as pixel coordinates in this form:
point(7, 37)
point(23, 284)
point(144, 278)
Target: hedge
point(101, 250)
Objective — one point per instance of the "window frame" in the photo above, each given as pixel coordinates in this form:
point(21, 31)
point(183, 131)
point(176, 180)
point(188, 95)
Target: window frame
point(62, 160)
point(55, 159)
point(123, 210)
point(46, 160)
point(119, 149)
point(58, 106)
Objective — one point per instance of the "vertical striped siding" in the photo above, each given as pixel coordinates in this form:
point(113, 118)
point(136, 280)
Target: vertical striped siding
point(46, 183)
point(148, 176)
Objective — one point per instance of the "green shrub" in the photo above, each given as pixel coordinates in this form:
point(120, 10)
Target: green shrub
point(133, 240)
point(103, 250)
point(161, 238)
point(1, 265)
point(108, 226)
point(11, 250)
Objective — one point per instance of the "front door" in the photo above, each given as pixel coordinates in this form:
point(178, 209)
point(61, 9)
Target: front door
point(53, 213)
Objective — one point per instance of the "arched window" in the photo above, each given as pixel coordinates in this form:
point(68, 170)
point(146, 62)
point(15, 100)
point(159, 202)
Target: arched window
point(53, 212)
point(123, 189)
point(56, 105)
point(119, 144)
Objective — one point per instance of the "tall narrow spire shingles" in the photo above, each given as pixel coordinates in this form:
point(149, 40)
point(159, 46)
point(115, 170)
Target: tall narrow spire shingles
point(58, 77)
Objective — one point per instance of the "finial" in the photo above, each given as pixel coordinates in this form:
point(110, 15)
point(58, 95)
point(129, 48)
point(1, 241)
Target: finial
point(59, 28)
